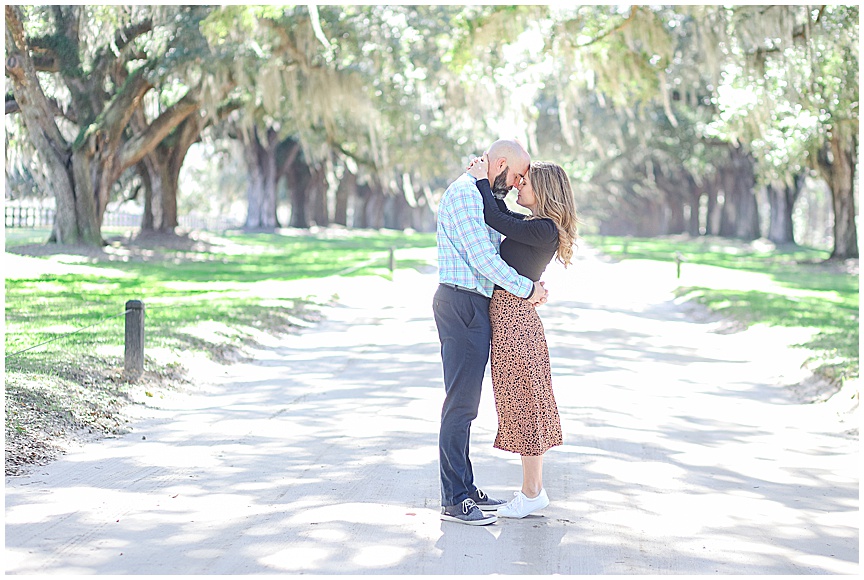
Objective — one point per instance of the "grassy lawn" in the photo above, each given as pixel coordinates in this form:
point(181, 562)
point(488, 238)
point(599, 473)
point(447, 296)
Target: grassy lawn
point(210, 295)
point(219, 280)
point(757, 283)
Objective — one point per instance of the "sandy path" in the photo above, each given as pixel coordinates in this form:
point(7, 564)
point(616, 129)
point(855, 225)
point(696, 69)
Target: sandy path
point(685, 453)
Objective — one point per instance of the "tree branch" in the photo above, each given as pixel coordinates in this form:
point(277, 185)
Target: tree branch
point(801, 31)
point(226, 109)
point(821, 12)
point(13, 107)
point(289, 159)
point(126, 36)
point(190, 130)
point(633, 10)
point(140, 145)
point(120, 109)
point(19, 66)
point(122, 38)
point(289, 46)
point(364, 161)
point(46, 63)
point(66, 41)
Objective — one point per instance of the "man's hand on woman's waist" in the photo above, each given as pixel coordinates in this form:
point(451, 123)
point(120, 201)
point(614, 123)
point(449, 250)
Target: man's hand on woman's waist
point(540, 294)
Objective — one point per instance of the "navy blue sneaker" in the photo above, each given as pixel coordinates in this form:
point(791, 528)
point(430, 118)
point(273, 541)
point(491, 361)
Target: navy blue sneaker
point(486, 503)
point(468, 513)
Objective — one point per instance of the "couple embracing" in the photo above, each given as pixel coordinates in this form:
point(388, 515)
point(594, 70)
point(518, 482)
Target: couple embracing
point(487, 294)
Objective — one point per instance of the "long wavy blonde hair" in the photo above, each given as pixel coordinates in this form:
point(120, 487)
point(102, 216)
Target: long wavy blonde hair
point(555, 201)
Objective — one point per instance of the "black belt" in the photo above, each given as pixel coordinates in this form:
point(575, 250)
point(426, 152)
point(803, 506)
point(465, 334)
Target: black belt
point(464, 289)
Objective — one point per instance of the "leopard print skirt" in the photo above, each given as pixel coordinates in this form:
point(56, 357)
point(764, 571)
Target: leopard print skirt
point(528, 421)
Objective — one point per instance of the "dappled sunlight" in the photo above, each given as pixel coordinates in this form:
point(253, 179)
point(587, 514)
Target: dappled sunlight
point(210, 330)
point(683, 452)
point(655, 474)
point(359, 513)
point(412, 456)
point(380, 556)
point(295, 559)
point(17, 267)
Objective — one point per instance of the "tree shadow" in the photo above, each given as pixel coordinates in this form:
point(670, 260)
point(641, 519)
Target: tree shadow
point(321, 457)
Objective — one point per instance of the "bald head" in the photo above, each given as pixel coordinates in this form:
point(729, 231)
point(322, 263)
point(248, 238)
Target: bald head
point(509, 149)
point(508, 164)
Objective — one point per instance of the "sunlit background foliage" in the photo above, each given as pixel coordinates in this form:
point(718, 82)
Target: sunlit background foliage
point(738, 121)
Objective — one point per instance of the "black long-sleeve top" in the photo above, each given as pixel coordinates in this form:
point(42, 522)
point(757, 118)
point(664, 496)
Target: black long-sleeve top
point(529, 245)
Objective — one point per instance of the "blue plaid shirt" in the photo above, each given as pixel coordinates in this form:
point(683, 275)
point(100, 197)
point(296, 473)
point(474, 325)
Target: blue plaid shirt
point(468, 248)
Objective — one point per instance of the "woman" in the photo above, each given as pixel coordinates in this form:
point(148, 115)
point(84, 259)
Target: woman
point(528, 422)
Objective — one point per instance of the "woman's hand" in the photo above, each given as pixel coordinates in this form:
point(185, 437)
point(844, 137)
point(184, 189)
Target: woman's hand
point(479, 167)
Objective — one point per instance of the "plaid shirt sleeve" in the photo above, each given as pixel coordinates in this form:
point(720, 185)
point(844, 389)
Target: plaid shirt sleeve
point(468, 248)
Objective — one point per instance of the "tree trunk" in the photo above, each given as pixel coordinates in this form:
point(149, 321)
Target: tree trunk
point(147, 217)
point(638, 215)
point(364, 194)
point(254, 193)
point(839, 171)
point(160, 200)
point(299, 213)
point(674, 222)
point(781, 200)
point(318, 196)
point(287, 153)
point(260, 153)
point(68, 171)
point(712, 217)
point(82, 173)
point(300, 178)
point(374, 207)
point(268, 209)
point(346, 190)
point(740, 213)
point(85, 220)
point(394, 209)
point(424, 218)
point(160, 170)
point(655, 224)
point(674, 184)
point(695, 196)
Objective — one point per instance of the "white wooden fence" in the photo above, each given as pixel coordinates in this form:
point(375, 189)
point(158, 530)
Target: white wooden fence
point(43, 217)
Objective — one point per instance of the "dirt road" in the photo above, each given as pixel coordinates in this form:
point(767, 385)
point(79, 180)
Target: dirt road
point(685, 452)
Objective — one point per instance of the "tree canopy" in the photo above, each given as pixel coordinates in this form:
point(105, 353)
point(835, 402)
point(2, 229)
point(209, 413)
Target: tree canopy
point(669, 119)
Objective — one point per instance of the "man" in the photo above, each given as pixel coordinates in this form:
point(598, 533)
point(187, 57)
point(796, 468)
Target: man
point(469, 267)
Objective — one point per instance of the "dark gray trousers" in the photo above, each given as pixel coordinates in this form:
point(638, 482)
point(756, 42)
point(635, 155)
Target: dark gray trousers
point(462, 318)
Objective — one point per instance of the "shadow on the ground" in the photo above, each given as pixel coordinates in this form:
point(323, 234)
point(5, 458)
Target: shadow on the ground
point(346, 462)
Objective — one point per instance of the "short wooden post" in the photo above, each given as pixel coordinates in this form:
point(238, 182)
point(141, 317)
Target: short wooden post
point(392, 260)
point(679, 257)
point(134, 366)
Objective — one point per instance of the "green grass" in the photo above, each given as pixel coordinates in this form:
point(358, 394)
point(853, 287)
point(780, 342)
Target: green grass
point(187, 285)
point(793, 287)
point(21, 236)
point(210, 296)
point(217, 294)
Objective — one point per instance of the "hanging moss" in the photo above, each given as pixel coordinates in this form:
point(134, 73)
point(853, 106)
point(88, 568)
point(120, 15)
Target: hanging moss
point(64, 49)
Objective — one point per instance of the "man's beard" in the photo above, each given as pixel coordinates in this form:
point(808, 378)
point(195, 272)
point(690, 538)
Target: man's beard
point(500, 189)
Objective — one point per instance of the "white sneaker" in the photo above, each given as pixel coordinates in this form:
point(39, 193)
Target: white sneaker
point(522, 505)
